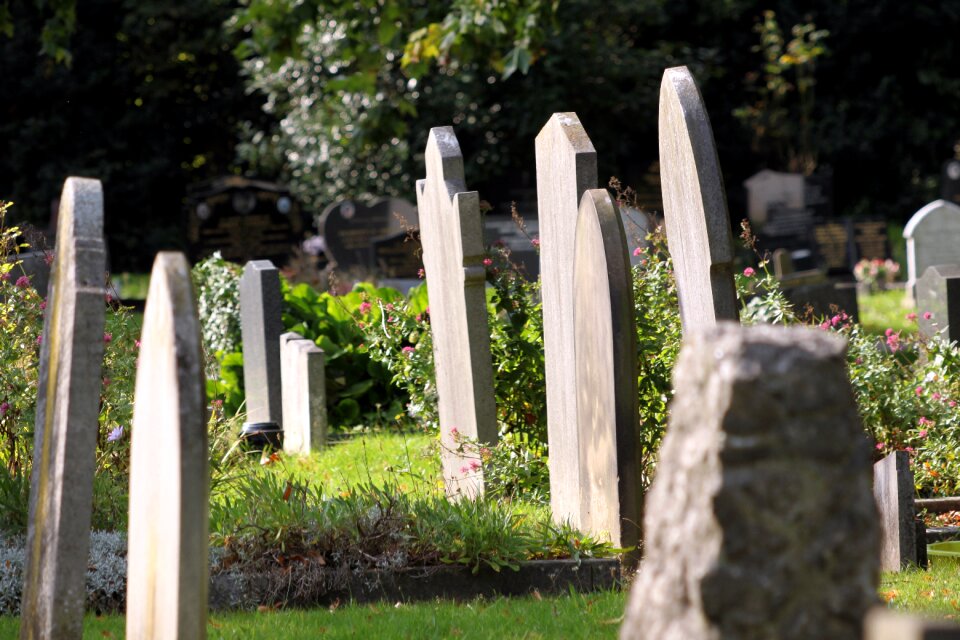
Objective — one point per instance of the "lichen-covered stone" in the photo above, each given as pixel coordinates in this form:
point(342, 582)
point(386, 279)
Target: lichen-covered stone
point(760, 522)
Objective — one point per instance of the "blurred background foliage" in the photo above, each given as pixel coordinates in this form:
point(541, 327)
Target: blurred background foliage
point(336, 98)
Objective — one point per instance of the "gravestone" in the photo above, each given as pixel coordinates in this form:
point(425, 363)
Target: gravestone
point(260, 327)
point(882, 623)
point(893, 490)
point(831, 241)
point(610, 499)
point(372, 238)
point(304, 394)
point(933, 238)
point(167, 556)
point(566, 168)
point(67, 411)
point(36, 266)
point(938, 294)
point(694, 205)
point(504, 231)
point(452, 236)
point(760, 522)
point(767, 189)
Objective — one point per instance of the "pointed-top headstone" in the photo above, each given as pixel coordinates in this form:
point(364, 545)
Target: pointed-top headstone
point(606, 479)
point(452, 237)
point(695, 205)
point(167, 561)
point(65, 437)
point(566, 168)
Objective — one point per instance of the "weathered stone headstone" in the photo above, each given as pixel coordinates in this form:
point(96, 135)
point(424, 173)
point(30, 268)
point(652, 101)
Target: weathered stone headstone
point(452, 236)
point(933, 237)
point(354, 231)
point(938, 294)
point(260, 327)
point(884, 624)
point(761, 521)
point(167, 556)
point(695, 205)
point(65, 437)
point(767, 188)
point(566, 168)
point(893, 490)
point(608, 486)
point(304, 394)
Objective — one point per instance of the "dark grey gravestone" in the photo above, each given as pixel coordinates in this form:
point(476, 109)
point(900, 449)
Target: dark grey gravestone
point(938, 294)
point(352, 229)
point(761, 521)
point(824, 298)
point(36, 266)
point(65, 436)
point(260, 326)
point(893, 491)
point(607, 477)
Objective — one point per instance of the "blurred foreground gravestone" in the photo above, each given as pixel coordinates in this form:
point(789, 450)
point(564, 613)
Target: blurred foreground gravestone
point(304, 394)
point(761, 521)
point(695, 205)
point(261, 324)
point(452, 236)
point(933, 238)
point(167, 557)
point(65, 436)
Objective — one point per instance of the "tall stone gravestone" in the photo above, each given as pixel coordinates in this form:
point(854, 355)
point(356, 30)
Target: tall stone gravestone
point(566, 168)
point(167, 556)
point(65, 435)
point(304, 394)
point(893, 490)
point(760, 522)
point(452, 236)
point(610, 500)
point(933, 238)
point(260, 327)
point(938, 301)
point(695, 205)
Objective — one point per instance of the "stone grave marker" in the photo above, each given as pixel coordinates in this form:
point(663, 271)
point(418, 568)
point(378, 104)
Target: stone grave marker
point(566, 169)
point(933, 238)
point(608, 485)
point(260, 327)
point(893, 490)
point(938, 294)
point(882, 623)
point(372, 238)
point(167, 556)
point(695, 205)
point(768, 188)
point(65, 436)
point(452, 236)
point(761, 521)
point(304, 394)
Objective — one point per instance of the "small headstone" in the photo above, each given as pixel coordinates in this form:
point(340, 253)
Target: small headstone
point(566, 168)
point(882, 623)
point(767, 189)
point(933, 237)
point(304, 394)
point(36, 266)
point(372, 238)
point(761, 521)
point(893, 490)
point(260, 327)
point(452, 236)
point(938, 294)
point(609, 480)
point(167, 556)
point(832, 242)
point(695, 205)
point(65, 435)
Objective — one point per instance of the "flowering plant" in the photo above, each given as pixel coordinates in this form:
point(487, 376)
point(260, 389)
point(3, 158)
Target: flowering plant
point(876, 274)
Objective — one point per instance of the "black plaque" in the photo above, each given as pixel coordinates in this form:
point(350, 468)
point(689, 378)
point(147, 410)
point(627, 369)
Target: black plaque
point(832, 243)
point(870, 240)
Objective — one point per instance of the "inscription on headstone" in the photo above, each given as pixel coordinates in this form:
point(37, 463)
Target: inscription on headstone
point(65, 432)
point(695, 205)
point(609, 483)
point(452, 236)
point(933, 238)
point(167, 557)
point(566, 168)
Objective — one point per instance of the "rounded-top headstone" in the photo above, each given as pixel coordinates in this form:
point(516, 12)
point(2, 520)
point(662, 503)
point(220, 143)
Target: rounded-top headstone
point(933, 238)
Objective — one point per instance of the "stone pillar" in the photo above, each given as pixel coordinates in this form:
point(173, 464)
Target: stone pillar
point(67, 415)
point(304, 394)
point(893, 490)
point(167, 555)
point(260, 326)
point(760, 522)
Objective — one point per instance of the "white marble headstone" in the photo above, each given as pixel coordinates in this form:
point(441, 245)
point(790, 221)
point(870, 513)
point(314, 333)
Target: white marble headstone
point(933, 238)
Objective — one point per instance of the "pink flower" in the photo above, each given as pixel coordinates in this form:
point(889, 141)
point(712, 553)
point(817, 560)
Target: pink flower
point(935, 396)
point(858, 361)
point(923, 433)
point(638, 251)
point(464, 470)
point(107, 337)
point(365, 306)
point(4, 276)
point(136, 343)
point(454, 432)
point(535, 242)
point(43, 305)
point(908, 449)
point(749, 272)
point(23, 282)
point(419, 318)
point(927, 315)
point(48, 258)
point(911, 316)
point(40, 339)
point(918, 391)
point(389, 306)
point(893, 340)
point(474, 465)
point(4, 408)
point(109, 298)
point(421, 273)
point(952, 403)
point(408, 349)
point(106, 382)
point(834, 321)
point(880, 446)
point(824, 325)
point(924, 421)
point(487, 262)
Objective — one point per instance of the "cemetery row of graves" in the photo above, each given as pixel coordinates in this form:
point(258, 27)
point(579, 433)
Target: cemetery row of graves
point(755, 512)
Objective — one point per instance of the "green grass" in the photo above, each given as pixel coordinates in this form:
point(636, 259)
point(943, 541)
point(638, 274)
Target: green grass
point(935, 592)
point(572, 616)
point(131, 286)
point(886, 309)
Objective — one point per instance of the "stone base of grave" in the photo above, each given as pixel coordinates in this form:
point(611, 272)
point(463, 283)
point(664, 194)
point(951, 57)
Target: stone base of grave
point(307, 584)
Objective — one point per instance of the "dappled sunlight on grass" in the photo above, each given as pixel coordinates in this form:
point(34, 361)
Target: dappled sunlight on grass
point(886, 310)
